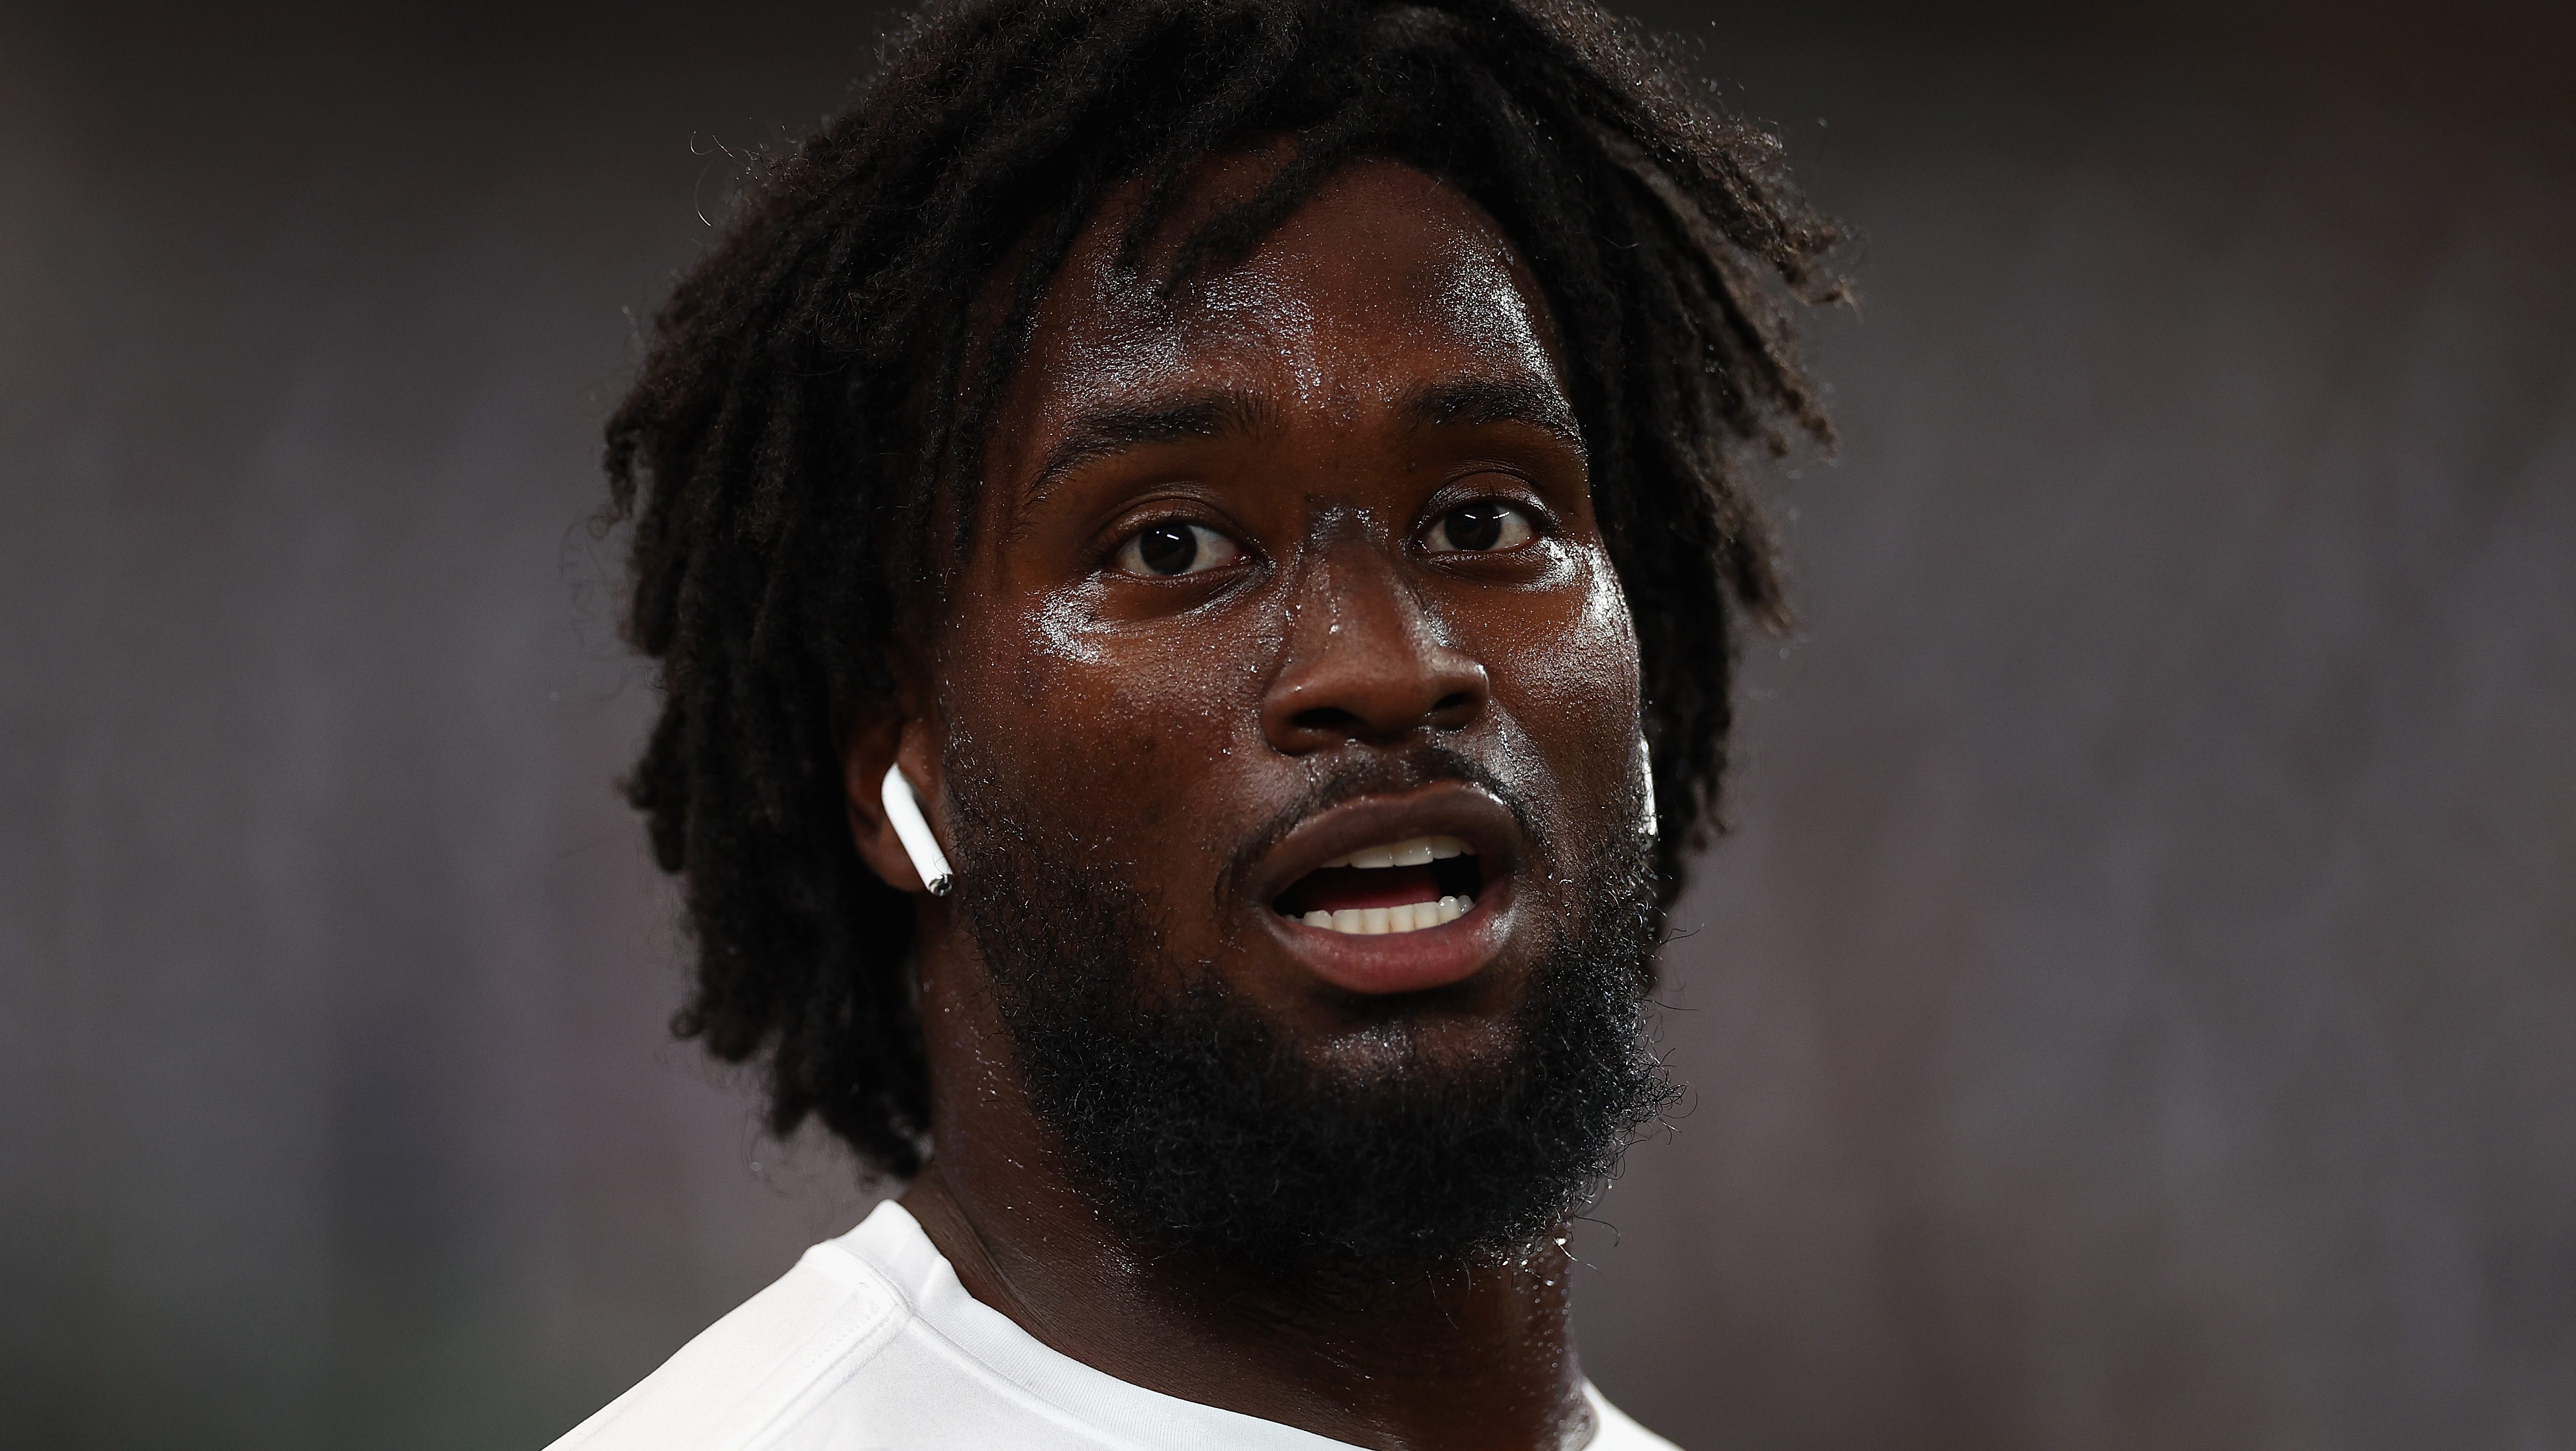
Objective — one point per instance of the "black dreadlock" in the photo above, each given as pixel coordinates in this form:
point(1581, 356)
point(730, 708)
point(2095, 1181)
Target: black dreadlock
point(815, 380)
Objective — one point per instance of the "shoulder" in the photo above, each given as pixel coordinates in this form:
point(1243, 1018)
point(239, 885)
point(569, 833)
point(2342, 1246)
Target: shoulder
point(846, 1351)
point(1614, 1431)
point(761, 1365)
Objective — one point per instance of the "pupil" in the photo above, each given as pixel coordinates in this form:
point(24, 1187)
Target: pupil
point(1168, 548)
point(1476, 526)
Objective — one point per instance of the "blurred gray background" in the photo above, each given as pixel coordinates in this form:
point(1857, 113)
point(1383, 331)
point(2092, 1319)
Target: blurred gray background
point(2137, 1008)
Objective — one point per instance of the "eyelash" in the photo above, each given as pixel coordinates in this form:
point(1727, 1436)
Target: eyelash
point(1531, 519)
point(1194, 532)
point(1534, 518)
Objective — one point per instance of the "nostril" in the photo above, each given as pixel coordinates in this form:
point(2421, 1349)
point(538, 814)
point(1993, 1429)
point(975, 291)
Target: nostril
point(1453, 706)
point(1332, 720)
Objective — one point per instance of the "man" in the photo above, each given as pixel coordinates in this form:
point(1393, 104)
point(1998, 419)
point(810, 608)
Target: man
point(1255, 477)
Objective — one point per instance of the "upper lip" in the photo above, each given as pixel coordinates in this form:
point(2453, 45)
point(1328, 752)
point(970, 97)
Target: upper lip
point(1446, 808)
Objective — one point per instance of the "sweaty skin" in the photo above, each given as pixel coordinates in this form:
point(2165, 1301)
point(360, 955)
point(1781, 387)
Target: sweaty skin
point(1311, 417)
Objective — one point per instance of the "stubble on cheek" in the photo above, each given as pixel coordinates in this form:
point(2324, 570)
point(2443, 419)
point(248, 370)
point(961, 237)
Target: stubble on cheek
point(1094, 780)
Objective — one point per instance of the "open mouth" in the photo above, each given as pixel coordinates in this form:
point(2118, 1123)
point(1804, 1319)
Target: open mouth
point(1401, 886)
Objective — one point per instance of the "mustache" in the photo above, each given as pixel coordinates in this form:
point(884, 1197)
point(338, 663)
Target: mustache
point(1377, 775)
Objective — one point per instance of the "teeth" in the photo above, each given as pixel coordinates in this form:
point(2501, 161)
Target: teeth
point(1413, 852)
point(1376, 921)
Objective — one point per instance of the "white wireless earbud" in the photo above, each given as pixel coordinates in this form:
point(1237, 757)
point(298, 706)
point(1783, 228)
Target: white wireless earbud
point(904, 810)
point(1646, 782)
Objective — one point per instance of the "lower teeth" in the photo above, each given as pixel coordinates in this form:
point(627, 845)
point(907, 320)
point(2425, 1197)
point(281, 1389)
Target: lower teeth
point(1371, 921)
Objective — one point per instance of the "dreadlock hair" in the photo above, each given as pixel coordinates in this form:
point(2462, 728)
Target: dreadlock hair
point(816, 390)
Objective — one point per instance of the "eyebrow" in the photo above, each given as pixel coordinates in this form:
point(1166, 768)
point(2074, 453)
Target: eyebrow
point(1457, 403)
point(1470, 402)
point(1105, 432)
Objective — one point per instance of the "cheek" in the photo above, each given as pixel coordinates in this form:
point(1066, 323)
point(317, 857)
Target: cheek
point(1568, 680)
point(1111, 732)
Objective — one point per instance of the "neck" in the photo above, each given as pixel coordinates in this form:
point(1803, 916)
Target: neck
point(1423, 1359)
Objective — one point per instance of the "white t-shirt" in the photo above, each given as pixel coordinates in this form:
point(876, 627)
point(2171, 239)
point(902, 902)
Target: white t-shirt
point(871, 1344)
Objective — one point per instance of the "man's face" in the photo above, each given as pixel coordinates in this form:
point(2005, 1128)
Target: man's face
point(1290, 644)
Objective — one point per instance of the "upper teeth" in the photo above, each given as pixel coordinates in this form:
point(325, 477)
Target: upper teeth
point(1409, 853)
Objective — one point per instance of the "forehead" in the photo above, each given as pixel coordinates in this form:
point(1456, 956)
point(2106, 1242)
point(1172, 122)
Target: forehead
point(1382, 279)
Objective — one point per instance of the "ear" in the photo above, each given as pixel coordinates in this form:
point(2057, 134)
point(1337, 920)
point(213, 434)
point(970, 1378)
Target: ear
point(871, 742)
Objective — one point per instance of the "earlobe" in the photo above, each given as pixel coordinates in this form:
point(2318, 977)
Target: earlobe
point(887, 823)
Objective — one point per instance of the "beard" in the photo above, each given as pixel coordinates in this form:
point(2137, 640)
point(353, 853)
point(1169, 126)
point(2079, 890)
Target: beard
point(1196, 1124)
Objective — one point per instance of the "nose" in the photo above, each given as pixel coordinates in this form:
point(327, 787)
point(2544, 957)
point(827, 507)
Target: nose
point(1366, 661)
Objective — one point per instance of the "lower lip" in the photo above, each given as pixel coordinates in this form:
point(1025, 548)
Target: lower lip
point(1403, 962)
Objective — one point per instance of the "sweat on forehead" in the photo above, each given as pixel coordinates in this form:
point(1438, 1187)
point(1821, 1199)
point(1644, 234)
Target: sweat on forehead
point(1385, 290)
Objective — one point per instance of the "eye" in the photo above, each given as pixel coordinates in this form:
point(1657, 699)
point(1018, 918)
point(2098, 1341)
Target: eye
point(1481, 527)
point(1165, 550)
